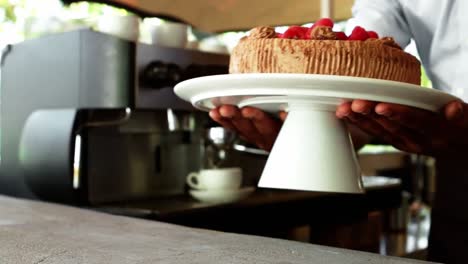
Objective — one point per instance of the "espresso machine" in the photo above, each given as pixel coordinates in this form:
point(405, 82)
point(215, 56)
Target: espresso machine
point(90, 118)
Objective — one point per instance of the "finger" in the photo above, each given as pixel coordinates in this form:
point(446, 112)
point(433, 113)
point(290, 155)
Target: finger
point(357, 106)
point(419, 120)
point(243, 125)
point(228, 111)
point(227, 115)
point(454, 110)
point(360, 113)
point(267, 126)
point(216, 116)
point(283, 115)
point(412, 140)
point(343, 110)
point(456, 114)
point(371, 126)
point(362, 106)
point(431, 127)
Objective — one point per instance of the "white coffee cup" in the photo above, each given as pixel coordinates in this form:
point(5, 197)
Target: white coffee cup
point(169, 34)
point(123, 26)
point(216, 179)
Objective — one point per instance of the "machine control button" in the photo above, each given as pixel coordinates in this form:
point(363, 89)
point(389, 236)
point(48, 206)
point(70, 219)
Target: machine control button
point(158, 74)
point(199, 70)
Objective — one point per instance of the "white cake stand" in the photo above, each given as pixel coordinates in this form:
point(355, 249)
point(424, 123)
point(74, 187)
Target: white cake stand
point(313, 150)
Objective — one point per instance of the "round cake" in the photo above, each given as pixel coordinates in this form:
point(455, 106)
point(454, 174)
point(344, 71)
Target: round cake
point(319, 50)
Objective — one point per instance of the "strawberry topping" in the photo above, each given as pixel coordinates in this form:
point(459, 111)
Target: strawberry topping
point(341, 36)
point(326, 22)
point(358, 33)
point(309, 32)
point(372, 34)
point(295, 32)
point(298, 32)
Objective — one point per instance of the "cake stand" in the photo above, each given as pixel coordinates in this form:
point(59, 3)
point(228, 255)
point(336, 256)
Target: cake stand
point(313, 151)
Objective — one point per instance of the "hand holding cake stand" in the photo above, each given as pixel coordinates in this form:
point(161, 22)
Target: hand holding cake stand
point(313, 151)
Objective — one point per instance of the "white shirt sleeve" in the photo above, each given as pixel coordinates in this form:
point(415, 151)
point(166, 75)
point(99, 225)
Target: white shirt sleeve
point(382, 16)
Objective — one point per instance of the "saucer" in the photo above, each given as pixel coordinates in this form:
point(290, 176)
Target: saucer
point(221, 196)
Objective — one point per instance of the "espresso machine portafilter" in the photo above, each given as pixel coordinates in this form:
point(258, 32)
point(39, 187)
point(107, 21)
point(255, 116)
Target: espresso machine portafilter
point(219, 142)
point(90, 118)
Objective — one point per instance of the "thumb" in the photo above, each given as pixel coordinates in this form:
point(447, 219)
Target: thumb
point(455, 110)
point(283, 115)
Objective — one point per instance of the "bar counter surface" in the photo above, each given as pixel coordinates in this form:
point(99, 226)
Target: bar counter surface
point(39, 232)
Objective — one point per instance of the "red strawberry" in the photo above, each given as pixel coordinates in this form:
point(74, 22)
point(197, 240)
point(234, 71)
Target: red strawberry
point(358, 33)
point(341, 35)
point(295, 32)
point(326, 22)
point(309, 31)
point(372, 34)
point(279, 35)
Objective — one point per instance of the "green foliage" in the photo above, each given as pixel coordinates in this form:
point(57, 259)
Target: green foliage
point(425, 82)
point(92, 9)
point(9, 10)
point(25, 19)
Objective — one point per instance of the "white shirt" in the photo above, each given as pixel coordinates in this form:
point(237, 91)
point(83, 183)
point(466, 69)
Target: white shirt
point(439, 28)
point(440, 31)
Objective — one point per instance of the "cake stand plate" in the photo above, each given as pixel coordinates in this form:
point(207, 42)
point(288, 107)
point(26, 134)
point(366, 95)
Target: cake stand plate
point(313, 150)
point(208, 92)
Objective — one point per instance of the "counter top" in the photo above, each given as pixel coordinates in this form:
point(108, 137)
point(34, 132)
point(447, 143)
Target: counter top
point(46, 233)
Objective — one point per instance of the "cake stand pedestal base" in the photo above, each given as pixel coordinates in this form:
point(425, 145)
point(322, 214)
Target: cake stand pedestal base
point(313, 151)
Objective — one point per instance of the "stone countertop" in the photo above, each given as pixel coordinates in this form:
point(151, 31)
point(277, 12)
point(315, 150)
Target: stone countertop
point(46, 233)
